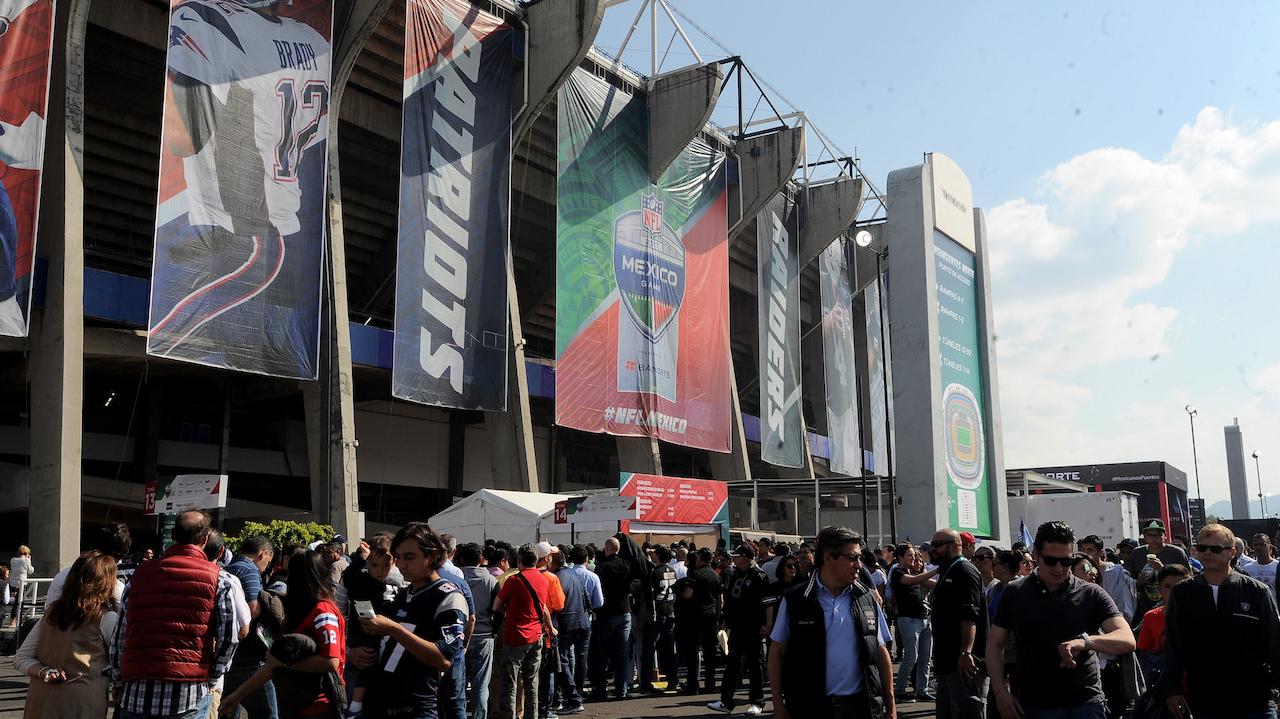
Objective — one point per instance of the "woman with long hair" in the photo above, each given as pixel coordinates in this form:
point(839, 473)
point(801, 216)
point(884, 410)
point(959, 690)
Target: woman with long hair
point(787, 574)
point(66, 652)
point(307, 664)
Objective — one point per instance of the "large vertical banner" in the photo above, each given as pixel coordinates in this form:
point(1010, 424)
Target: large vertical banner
point(777, 264)
point(642, 281)
point(964, 435)
point(455, 188)
point(26, 42)
point(839, 362)
point(878, 380)
point(240, 229)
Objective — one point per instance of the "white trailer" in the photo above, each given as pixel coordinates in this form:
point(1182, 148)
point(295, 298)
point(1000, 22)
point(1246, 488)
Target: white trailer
point(1110, 515)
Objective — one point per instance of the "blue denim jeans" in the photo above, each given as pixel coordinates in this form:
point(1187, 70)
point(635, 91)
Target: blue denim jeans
point(260, 704)
point(479, 672)
point(611, 643)
point(453, 683)
point(916, 636)
point(573, 662)
point(199, 711)
point(1087, 711)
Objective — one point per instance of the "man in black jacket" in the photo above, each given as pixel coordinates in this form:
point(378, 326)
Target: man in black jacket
point(744, 619)
point(828, 657)
point(1222, 630)
point(697, 618)
point(959, 630)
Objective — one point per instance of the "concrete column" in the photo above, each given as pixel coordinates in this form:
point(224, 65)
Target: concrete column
point(680, 103)
point(765, 163)
point(330, 402)
point(560, 34)
point(828, 209)
point(735, 464)
point(512, 457)
point(639, 454)
point(921, 459)
point(56, 365)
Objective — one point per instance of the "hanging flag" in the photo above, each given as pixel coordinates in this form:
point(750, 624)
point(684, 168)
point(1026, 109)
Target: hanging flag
point(240, 227)
point(777, 264)
point(455, 188)
point(26, 47)
point(879, 384)
point(839, 363)
point(1023, 535)
point(642, 280)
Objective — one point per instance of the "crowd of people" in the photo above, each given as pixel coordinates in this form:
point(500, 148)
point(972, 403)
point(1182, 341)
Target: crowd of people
point(413, 624)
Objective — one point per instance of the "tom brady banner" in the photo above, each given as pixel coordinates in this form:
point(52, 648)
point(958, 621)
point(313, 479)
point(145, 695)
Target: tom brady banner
point(455, 188)
point(237, 274)
point(642, 282)
point(26, 46)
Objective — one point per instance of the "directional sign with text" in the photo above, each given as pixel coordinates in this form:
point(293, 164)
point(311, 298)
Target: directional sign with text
point(600, 508)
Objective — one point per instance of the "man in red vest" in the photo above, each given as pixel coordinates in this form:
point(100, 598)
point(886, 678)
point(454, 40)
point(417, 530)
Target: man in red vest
point(177, 630)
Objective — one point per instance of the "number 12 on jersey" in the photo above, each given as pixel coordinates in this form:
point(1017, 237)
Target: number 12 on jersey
point(298, 128)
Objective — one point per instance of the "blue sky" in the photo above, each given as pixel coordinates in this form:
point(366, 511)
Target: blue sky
point(1128, 157)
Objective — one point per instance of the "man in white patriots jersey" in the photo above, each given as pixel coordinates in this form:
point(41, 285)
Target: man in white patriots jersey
point(248, 96)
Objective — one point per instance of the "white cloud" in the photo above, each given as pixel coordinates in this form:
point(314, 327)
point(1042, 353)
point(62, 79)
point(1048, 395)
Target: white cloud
point(1069, 264)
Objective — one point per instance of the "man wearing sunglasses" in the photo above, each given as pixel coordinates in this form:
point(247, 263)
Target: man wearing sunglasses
point(959, 630)
point(1221, 630)
point(828, 657)
point(1061, 624)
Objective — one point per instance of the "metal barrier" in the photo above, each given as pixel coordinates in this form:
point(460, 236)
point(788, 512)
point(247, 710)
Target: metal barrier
point(28, 604)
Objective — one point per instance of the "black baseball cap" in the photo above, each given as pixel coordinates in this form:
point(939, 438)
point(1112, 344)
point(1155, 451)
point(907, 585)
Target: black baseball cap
point(745, 550)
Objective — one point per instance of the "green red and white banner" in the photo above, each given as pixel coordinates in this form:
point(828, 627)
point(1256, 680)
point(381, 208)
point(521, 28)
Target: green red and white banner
point(642, 281)
point(26, 46)
point(676, 500)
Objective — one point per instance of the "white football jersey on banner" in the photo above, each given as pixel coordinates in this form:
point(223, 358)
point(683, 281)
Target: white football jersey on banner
point(271, 77)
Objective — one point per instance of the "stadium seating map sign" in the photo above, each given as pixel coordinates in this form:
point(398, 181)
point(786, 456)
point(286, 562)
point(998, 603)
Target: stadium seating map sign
point(26, 42)
point(964, 434)
point(455, 186)
point(240, 228)
point(642, 283)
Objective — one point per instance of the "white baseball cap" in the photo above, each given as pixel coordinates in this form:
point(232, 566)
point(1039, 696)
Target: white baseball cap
point(544, 549)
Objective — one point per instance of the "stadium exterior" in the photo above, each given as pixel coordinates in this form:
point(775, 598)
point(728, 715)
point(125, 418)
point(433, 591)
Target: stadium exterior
point(87, 418)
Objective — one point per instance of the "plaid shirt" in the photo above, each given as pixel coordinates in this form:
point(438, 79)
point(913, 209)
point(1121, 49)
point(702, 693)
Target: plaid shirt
point(158, 697)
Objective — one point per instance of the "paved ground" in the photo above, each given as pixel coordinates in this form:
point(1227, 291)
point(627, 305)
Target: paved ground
point(13, 689)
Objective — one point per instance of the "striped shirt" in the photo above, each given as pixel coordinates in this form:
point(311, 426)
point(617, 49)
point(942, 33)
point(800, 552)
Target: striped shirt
point(159, 697)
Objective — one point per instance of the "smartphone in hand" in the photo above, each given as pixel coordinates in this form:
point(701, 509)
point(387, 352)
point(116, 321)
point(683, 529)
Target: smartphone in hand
point(364, 609)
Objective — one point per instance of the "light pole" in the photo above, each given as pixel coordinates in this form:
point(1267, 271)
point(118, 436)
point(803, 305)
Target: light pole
point(1258, 466)
point(1195, 459)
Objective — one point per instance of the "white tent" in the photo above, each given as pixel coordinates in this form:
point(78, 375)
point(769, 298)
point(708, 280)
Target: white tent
point(515, 517)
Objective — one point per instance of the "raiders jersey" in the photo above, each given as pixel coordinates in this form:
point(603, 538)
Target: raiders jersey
point(262, 84)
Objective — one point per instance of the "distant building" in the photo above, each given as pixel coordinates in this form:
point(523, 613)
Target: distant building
point(1237, 479)
point(1160, 486)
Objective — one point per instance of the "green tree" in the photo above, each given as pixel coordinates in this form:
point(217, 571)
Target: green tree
point(284, 532)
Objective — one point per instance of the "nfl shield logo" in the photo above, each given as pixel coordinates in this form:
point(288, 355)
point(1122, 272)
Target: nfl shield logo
point(648, 265)
point(1244, 606)
point(651, 213)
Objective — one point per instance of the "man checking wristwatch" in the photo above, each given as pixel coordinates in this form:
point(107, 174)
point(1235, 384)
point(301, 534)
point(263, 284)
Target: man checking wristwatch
point(1061, 623)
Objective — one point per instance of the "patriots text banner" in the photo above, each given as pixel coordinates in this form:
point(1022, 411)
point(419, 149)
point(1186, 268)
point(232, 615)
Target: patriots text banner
point(455, 174)
point(236, 280)
point(840, 368)
point(642, 281)
point(777, 251)
point(26, 41)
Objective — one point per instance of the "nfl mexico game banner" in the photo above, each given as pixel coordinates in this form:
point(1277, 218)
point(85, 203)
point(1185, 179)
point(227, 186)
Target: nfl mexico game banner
point(778, 262)
point(455, 187)
point(236, 278)
point(26, 47)
point(642, 282)
point(676, 500)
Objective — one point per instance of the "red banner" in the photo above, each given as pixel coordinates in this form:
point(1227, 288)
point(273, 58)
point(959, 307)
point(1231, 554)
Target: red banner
point(26, 42)
point(676, 500)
